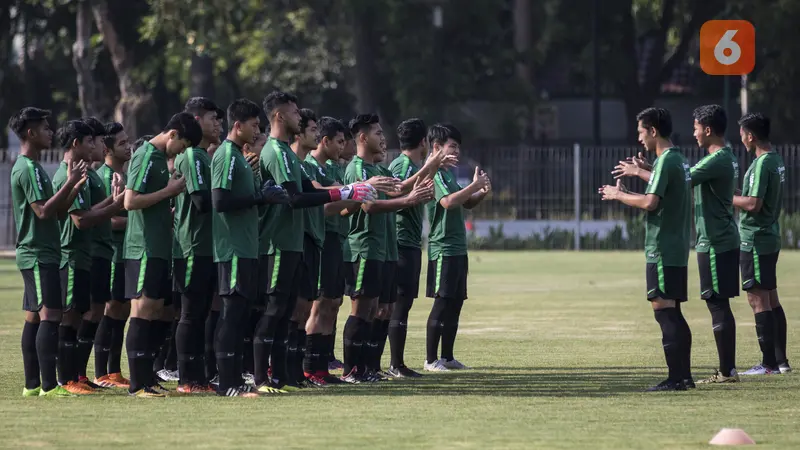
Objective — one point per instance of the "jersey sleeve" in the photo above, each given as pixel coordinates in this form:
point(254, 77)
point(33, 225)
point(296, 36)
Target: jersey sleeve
point(276, 162)
point(658, 180)
point(401, 169)
point(192, 169)
point(221, 171)
point(707, 169)
point(82, 201)
point(136, 172)
point(351, 174)
point(28, 181)
point(440, 186)
point(759, 179)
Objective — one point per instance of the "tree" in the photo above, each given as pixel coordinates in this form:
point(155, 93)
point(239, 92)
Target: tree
point(83, 59)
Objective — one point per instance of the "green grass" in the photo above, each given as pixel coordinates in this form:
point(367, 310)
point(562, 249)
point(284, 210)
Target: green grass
point(562, 345)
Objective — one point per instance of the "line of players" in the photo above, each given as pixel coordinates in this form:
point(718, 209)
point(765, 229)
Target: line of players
point(259, 236)
point(723, 249)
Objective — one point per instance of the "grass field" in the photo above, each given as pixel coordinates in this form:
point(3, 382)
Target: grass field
point(562, 345)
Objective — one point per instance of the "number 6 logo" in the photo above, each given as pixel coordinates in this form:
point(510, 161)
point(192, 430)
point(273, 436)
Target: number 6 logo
point(727, 47)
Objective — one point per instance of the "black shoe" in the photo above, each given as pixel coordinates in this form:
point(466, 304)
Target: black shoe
point(667, 385)
point(689, 383)
point(403, 372)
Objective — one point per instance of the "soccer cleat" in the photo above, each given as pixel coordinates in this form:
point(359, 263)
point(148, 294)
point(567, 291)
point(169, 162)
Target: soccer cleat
point(403, 372)
point(318, 381)
point(57, 391)
point(330, 379)
point(784, 367)
point(35, 392)
point(667, 385)
point(760, 369)
point(194, 389)
point(147, 393)
point(386, 376)
point(249, 378)
point(454, 364)
point(435, 366)
point(370, 377)
point(689, 383)
point(266, 388)
point(214, 382)
point(112, 380)
point(292, 387)
point(237, 392)
point(84, 380)
point(718, 377)
point(159, 388)
point(335, 365)
point(352, 377)
point(73, 387)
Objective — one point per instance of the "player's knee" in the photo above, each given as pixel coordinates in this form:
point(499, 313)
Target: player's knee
point(661, 303)
point(277, 304)
point(759, 300)
point(774, 302)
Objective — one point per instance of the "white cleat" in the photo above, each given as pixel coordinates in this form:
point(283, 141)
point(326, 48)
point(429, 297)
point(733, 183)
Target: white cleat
point(435, 366)
point(784, 367)
point(758, 369)
point(454, 365)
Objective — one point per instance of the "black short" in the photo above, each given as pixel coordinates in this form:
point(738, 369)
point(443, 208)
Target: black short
point(101, 280)
point(719, 274)
point(118, 282)
point(364, 278)
point(42, 287)
point(759, 271)
point(76, 288)
point(447, 277)
point(238, 276)
point(309, 270)
point(667, 282)
point(331, 277)
point(284, 272)
point(409, 266)
point(194, 275)
point(389, 293)
point(149, 277)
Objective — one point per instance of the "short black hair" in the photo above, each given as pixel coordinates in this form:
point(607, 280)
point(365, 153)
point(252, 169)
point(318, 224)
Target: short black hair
point(220, 113)
point(111, 130)
point(440, 133)
point(142, 139)
point(187, 127)
point(72, 130)
point(658, 118)
point(362, 123)
point(712, 116)
point(757, 124)
point(199, 106)
point(411, 133)
point(98, 129)
point(276, 99)
point(329, 127)
point(306, 116)
point(25, 119)
point(242, 110)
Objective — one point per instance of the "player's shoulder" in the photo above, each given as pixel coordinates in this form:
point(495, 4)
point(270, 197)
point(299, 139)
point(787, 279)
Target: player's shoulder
point(61, 173)
point(398, 162)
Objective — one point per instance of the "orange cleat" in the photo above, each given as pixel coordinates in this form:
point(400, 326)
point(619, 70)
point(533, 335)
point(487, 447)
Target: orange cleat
point(194, 389)
point(115, 380)
point(77, 388)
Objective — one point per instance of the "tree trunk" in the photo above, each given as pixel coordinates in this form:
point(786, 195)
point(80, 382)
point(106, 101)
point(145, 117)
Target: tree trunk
point(82, 60)
point(201, 76)
point(135, 108)
point(361, 15)
point(522, 39)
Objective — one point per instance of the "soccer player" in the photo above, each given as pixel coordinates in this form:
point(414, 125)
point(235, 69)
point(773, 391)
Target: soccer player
point(216, 302)
point(236, 197)
point(366, 246)
point(282, 231)
point(667, 201)
point(193, 264)
point(148, 243)
point(111, 331)
point(760, 204)
point(38, 248)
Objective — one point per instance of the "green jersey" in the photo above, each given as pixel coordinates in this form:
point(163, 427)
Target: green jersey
point(391, 227)
point(667, 229)
point(76, 245)
point(282, 226)
point(149, 231)
point(409, 220)
point(327, 176)
point(314, 217)
point(714, 179)
point(235, 232)
point(102, 241)
point(38, 239)
point(192, 227)
point(448, 231)
point(335, 171)
point(764, 180)
point(106, 174)
point(367, 236)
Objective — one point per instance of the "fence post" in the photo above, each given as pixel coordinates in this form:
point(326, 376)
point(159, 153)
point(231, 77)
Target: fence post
point(576, 165)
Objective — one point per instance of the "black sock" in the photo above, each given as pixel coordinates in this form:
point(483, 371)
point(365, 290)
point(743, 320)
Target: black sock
point(291, 351)
point(332, 342)
point(139, 348)
point(47, 349)
point(314, 354)
point(248, 358)
point(210, 332)
point(86, 333)
point(67, 343)
point(380, 331)
point(452, 314)
point(229, 341)
point(171, 361)
point(352, 343)
point(158, 339)
point(262, 347)
point(779, 317)
point(685, 339)
point(117, 341)
point(300, 355)
point(434, 329)
point(184, 347)
point(30, 359)
point(765, 331)
point(278, 363)
point(102, 346)
point(363, 353)
point(670, 341)
point(724, 326)
point(398, 330)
